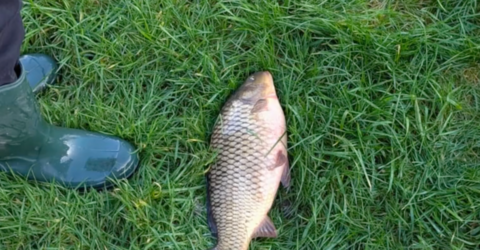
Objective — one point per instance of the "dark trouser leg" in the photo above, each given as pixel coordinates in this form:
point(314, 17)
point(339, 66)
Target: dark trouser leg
point(12, 34)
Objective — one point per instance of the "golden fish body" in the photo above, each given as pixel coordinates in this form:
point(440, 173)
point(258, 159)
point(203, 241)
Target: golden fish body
point(250, 138)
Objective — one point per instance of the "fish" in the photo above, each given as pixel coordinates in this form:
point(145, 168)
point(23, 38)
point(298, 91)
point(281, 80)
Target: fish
point(250, 141)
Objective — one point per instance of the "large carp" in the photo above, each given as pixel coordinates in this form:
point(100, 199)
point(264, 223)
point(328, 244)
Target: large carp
point(251, 141)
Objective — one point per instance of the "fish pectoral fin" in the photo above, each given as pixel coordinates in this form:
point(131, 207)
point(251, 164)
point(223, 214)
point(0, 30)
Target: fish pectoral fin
point(260, 105)
point(266, 229)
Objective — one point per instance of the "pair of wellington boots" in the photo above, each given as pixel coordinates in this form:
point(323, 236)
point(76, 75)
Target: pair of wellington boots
point(35, 150)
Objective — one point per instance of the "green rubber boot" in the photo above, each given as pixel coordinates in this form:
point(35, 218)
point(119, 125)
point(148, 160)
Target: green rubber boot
point(32, 148)
point(39, 69)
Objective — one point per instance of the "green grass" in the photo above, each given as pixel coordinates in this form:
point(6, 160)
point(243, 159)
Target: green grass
point(381, 99)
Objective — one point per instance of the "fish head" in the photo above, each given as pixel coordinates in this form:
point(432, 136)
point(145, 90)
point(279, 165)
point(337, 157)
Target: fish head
point(257, 86)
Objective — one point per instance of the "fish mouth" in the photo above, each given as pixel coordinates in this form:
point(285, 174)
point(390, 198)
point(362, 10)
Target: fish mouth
point(262, 76)
point(258, 85)
point(265, 79)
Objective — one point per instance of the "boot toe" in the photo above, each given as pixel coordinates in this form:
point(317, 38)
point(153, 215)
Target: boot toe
point(126, 161)
point(82, 158)
point(107, 158)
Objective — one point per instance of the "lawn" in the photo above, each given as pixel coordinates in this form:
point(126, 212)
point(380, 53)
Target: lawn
point(381, 97)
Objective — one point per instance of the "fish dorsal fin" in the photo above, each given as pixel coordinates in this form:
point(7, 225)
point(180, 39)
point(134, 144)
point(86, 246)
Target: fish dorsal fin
point(266, 229)
point(211, 221)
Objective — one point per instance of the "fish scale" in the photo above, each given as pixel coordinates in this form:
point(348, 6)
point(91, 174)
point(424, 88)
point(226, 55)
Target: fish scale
point(239, 190)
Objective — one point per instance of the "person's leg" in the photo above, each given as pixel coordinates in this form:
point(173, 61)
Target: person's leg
point(34, 149)
point(11, 38)
point(40, 68)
